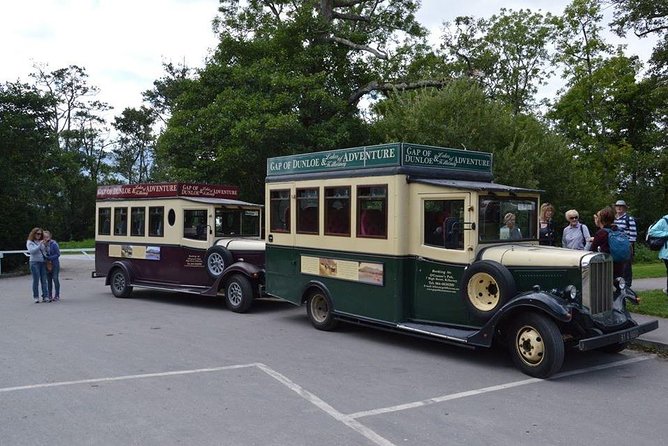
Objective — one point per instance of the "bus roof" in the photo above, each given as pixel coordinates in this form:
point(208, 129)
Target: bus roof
point(428, 161)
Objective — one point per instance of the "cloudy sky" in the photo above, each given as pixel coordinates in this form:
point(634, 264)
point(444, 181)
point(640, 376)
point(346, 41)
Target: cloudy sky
point(123, 43)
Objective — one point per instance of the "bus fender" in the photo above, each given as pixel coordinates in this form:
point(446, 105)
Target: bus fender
point(538, 301)
point(125, 266)
point(314, 284)
point(253, 272)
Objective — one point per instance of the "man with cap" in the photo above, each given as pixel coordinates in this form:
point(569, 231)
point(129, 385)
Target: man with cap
point(626, 223)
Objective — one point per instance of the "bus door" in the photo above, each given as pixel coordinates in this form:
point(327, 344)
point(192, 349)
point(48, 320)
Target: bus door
point(282, 259)
point(197, 236)
point(447, 232)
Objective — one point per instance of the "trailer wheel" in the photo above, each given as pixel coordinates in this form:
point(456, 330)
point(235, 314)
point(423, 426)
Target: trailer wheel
point(536, 345)
point(217, 259)
point(487, 285)
point(238, 294)
point(614, 348)
point(120, 283)
point(319, 309)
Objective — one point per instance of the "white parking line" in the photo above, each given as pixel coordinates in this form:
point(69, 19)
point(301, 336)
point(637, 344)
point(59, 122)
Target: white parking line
point(349, 420)
point(454, 396)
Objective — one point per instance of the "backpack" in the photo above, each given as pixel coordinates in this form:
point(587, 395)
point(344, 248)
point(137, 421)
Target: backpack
point(620, 245)
point(656, 243)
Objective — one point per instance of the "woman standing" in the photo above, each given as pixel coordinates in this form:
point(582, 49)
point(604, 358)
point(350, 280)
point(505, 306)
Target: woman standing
point(546, 234)
point(37, 264)
point(576, 235)
point(660, 229)
point(53, 258)
point(604, 220)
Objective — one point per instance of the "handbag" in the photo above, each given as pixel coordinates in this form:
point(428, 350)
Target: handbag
point(49, 265)
point(656, 243)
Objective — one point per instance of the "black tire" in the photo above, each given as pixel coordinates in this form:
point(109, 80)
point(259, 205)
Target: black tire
point(119, 282)
point(320, 311)
point(613, 348)
point(217, 259)
point(238, 293)
point(486, 287)
point(536, 345)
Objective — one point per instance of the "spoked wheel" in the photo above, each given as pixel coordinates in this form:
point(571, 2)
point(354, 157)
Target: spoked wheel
point(319, 310)
point(217, 259)
point(238, 294)
point(536, 345)
point(120, 283)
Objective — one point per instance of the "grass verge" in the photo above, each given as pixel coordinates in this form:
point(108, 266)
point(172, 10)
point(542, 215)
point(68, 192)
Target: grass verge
point(90, 243)
point(649, 270)
point(652, 303)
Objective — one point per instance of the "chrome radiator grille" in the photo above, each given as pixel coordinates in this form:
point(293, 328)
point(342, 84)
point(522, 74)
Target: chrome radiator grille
point(597, 283)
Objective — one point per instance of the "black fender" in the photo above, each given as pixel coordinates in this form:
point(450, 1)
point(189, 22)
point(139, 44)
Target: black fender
point(254, 273)
point(315, 284)
point(538, 301)
point(125, 266)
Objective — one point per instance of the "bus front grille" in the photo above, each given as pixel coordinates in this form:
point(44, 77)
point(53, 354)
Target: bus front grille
point(597, 284)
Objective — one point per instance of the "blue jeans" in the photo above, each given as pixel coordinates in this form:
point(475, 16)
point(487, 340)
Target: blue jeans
point(53, 280)
point(38, 272)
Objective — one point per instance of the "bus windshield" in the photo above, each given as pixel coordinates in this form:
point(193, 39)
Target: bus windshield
point(237, 222)
point(507, 218)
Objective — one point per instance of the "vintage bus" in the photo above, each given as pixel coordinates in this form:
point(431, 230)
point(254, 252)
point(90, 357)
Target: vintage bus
point(420, 240)
point(193, 238)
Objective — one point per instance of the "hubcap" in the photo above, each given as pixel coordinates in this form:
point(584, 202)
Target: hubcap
point(119, 282)
point(234, 294)
point(319, 308)
point(483, 291)
point(216, 264)
point(530, 345)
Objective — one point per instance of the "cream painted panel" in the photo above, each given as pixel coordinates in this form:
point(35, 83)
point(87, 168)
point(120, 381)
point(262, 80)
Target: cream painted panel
point(534, 255)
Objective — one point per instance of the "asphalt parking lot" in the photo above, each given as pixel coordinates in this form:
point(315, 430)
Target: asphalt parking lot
point(167, 368)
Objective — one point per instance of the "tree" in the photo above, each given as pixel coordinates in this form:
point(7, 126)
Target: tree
point(507, 53)
point(286, 77)
point(135, 146)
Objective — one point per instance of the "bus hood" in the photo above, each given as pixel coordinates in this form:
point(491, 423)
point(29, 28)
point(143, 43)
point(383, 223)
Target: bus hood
point(534, 256)
point(241, 244)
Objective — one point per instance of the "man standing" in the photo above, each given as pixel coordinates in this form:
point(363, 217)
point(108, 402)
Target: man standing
point(626, 223)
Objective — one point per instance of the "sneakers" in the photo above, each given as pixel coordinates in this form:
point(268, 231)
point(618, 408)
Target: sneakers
point(36, 301)
point(46, 299)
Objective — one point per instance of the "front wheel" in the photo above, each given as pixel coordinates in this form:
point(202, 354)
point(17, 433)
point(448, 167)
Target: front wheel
point(319, 309)
point(536, 345)
point(238, 294)
point(120, 283)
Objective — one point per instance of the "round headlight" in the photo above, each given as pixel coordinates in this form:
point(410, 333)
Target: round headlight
point(620, 283)
point(571, 292)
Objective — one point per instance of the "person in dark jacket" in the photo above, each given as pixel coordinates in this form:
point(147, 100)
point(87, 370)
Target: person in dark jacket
point(52, 255)
point(604, 220)
point(546, 233)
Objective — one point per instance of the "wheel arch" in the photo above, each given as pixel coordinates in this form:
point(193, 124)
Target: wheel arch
point(537, 302)
point(314, 285)
point(123, 265)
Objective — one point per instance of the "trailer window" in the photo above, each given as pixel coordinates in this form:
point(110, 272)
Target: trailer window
point(156, 218)
point(120, 221)
point(138, 221)
point(194, 224)
point(337, 211)
point(104, 221)
point(279, 208)
point(443, 221)
point(307, 211)
point(372, 211)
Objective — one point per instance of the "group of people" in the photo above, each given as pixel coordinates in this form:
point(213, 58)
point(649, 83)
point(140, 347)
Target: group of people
point(576, 235)
point(44, 265)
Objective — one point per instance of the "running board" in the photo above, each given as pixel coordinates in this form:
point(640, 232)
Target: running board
point(178, 289)
point(450, 334)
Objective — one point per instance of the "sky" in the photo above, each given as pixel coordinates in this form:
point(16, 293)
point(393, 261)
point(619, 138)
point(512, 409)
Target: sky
point(122, 44)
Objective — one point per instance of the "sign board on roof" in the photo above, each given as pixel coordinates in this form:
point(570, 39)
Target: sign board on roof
point(385, 155)
point(166, 190)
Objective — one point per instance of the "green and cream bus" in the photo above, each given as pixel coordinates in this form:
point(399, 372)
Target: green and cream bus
point(420, 240)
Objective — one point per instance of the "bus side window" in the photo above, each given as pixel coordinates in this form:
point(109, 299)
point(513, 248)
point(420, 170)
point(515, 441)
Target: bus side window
point(443, 223)
point(104, 221)
point(120, 221)
point(156, 216)
point(372, 211)
point(194, 224)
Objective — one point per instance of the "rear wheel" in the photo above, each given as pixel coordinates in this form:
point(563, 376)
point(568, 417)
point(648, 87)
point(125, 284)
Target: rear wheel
point(238, 294)
point(536, 345)
point(120, 283)
point(319, 309)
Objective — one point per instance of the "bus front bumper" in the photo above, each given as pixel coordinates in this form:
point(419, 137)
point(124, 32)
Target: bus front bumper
point(617, 337)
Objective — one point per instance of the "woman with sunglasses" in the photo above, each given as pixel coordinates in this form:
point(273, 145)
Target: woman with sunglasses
point(576, 235)
point(37, 264)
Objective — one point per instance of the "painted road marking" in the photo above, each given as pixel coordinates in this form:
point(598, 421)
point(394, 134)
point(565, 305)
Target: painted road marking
point(454, 396)
point(349, 420)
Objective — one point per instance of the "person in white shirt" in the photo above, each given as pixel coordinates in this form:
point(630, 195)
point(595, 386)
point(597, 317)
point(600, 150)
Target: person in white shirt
point(576, 235)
